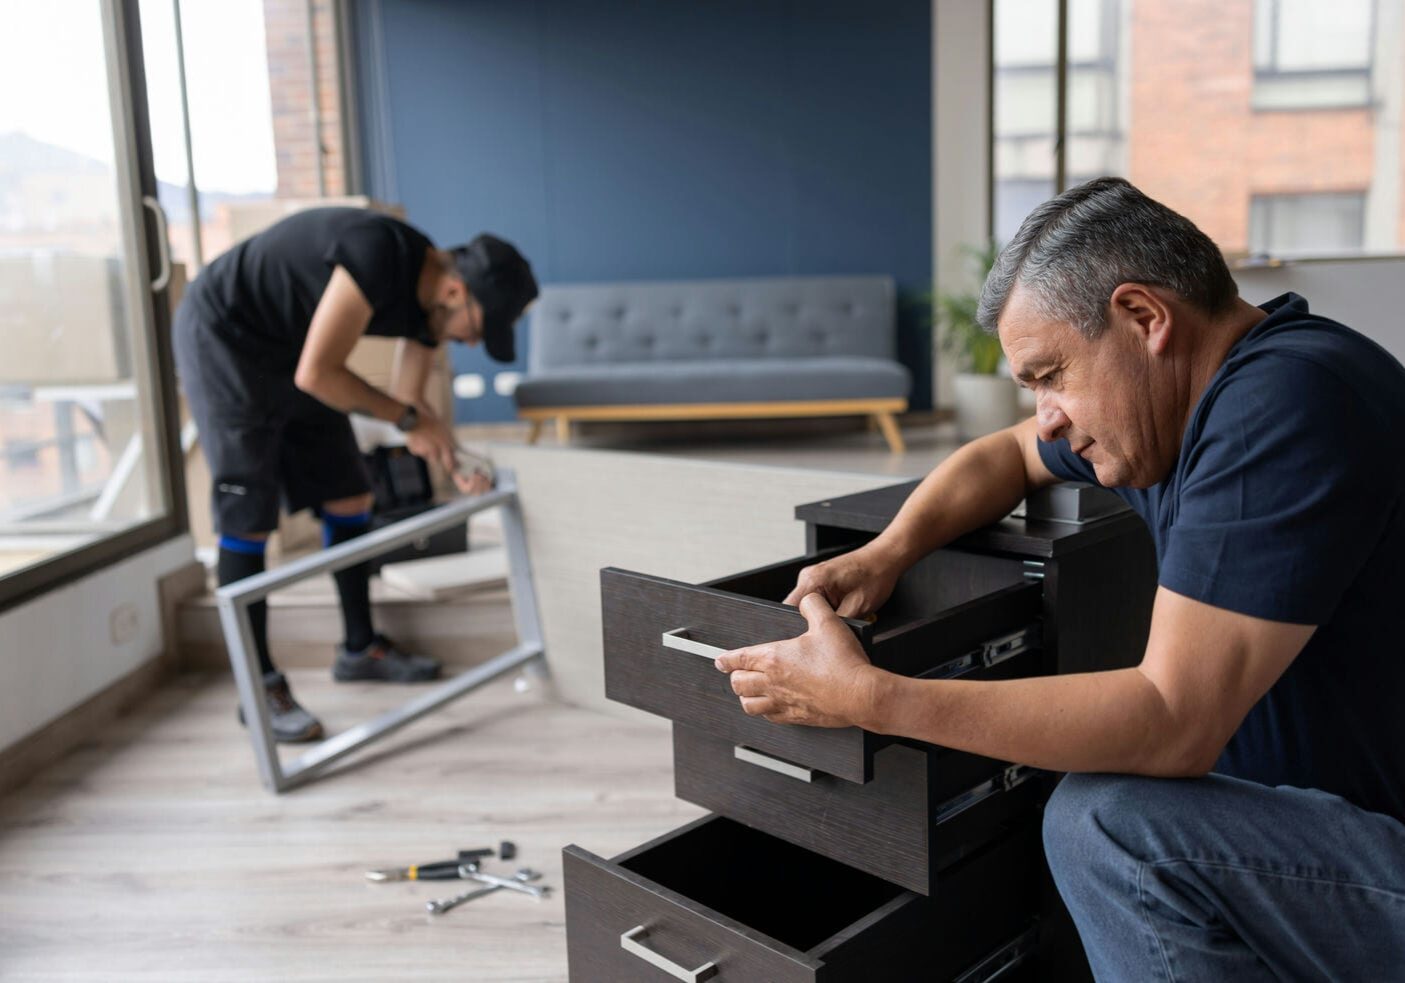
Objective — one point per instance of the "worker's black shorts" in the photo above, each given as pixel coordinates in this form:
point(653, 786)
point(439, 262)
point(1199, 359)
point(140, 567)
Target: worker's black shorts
point(266, 441)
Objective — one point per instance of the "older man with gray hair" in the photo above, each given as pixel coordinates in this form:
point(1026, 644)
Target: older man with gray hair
point(1235, 807)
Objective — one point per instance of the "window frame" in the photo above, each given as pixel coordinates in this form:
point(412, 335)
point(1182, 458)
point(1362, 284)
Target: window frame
point(1267, 77)
point(1273, 71)
point(1268, 201)
point(136, 178)
point(1061, 134)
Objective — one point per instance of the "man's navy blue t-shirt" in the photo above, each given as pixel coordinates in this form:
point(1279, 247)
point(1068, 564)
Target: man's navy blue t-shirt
point(1286, 504)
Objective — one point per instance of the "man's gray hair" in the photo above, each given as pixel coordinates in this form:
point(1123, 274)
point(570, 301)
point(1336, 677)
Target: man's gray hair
point(1074, 250)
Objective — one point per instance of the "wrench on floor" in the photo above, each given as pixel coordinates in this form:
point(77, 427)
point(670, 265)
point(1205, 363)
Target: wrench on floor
point(470, 872)
point(448, 904)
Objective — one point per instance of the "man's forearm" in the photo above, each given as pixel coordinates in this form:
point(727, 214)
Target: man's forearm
point(344, 390)
point(1114, 721)
point(977, 485)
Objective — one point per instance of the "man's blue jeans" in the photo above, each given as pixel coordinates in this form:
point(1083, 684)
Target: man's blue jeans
point(1218, 879)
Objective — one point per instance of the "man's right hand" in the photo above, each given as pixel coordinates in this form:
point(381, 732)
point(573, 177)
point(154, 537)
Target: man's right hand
point(432, 440)
point(856, 584)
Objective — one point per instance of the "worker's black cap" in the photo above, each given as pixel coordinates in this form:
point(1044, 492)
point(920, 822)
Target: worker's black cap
point(502, 282)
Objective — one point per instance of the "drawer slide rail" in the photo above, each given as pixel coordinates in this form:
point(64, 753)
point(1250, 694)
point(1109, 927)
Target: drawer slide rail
point(1002, 781)
point(1003, 959)
point(990, 653)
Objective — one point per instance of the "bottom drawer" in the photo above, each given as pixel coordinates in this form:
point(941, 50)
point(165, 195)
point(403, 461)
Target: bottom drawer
point(716, 900)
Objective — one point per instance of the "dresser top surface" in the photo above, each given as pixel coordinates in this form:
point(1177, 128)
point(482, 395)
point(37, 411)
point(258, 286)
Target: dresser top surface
point(871, 511)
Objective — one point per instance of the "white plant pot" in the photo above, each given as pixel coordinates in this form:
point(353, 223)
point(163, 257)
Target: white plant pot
point(984, 404)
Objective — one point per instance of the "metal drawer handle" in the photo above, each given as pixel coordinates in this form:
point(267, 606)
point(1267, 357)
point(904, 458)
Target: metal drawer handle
point(630, 944)
point(1002, 781)
point(678, 639)
point(779, 766)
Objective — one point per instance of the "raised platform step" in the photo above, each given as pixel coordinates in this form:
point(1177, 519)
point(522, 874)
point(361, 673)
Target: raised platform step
point(304, 619)
point(304, 623)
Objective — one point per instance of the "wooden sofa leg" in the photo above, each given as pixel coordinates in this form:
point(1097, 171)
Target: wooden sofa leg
point(563, 430)
point(535, 432)
point(891, 433)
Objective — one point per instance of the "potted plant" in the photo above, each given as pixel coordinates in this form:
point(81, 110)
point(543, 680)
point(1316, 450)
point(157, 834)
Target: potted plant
point(986, 399)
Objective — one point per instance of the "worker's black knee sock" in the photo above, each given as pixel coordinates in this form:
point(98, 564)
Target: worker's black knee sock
point(353, 583)
point(240, 558)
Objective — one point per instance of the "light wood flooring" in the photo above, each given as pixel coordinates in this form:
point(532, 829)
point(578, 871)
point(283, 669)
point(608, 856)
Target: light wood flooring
point(154, 854)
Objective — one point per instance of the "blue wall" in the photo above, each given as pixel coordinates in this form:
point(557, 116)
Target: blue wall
point(658, 139)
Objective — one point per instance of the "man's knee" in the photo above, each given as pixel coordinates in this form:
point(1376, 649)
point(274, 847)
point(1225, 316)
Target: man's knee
point(1095, 818)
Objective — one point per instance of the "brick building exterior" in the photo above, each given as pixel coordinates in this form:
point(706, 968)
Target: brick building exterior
point(1195, 140)
point(299, 150)
point(1214, 108)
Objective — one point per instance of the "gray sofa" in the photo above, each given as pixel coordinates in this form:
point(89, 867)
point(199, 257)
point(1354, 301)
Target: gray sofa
point(713, 349)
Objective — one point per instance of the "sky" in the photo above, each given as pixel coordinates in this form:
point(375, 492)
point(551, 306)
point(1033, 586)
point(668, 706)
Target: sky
point(54, 76)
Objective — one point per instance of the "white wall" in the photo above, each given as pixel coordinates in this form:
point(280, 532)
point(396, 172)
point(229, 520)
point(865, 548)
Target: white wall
point(1365, 294)
point(960, 151)
point(58, 650)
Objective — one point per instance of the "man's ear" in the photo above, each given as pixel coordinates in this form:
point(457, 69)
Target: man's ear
point(1146, 311)
point(455, 291)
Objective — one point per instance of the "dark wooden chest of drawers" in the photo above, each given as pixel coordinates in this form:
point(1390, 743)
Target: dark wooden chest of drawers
point(836, 854)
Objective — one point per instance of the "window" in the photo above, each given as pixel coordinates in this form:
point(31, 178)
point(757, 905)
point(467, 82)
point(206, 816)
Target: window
point(1025, 109)
point(1172, 96)
point(1289, 225)
point(84, 435)
point(253, 85)
point(247, 127)
point(1026, 105)
point(1309, 54)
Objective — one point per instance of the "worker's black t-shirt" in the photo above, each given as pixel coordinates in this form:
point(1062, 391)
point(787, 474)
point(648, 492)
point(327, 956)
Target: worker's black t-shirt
point(1287, 502)
point(260, 295)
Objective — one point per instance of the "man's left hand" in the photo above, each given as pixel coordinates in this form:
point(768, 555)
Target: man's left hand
point(821, 678)
point(476, 482)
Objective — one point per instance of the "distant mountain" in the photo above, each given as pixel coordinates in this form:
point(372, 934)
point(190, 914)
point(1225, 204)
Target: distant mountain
point(21, 155)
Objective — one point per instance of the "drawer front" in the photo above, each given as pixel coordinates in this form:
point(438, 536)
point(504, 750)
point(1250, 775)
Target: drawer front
point(642, 671)
point(660, 638)
point(634, 919)
point(922, 810)
point(667, 909)
point(622, 928)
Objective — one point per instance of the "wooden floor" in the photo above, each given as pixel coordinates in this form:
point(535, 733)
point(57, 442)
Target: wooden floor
point(153, 853)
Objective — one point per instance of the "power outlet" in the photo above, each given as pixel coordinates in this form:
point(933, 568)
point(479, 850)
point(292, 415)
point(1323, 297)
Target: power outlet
point(123, 623)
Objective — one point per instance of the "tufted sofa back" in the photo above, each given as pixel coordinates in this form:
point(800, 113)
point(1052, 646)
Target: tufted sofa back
point(782, 317)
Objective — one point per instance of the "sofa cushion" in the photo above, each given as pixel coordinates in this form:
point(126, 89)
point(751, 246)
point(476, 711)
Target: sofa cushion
point(746, 380)
point(652, 322)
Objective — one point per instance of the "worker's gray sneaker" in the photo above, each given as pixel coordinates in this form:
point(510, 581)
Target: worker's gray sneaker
point(382, 662)
point(290, 722)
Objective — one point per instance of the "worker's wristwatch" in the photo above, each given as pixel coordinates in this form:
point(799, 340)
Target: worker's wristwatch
point(408, 420)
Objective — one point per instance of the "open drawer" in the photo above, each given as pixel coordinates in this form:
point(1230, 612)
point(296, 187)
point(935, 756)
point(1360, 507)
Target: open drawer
point(952, 615)
point(924, 809)
point(716, 900)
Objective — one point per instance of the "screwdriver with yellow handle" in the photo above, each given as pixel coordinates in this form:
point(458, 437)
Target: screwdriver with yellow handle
point(442, 870)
